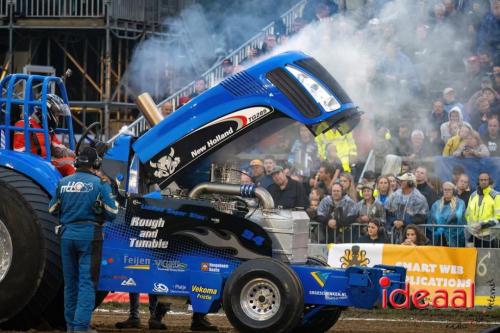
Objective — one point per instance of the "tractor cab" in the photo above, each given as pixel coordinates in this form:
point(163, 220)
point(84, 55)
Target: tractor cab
point(25, 101)
point(36, 125)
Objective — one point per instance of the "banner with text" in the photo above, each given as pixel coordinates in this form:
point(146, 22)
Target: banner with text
point(441, 271)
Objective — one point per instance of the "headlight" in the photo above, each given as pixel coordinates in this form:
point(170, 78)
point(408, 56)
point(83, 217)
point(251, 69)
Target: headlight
point(316, 89)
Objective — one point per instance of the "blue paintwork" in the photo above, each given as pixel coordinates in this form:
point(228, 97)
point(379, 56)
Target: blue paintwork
point(218, 101)
point(120, 150)
point(32, 166)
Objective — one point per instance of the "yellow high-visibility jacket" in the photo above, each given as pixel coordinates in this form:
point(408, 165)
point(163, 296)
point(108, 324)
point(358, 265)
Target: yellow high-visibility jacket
point(346, 147)
point(453, 143)
point(488, 209)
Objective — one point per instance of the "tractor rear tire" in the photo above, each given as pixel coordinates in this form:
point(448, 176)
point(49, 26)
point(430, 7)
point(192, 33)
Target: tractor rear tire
point(34, 275)
point(263, 296)
point(326, 317)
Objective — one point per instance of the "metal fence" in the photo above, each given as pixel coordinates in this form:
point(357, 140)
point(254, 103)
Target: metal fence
point(138, 10)
point(215, 74)
point(60, 8)
point(437, 235)
point(4, 11)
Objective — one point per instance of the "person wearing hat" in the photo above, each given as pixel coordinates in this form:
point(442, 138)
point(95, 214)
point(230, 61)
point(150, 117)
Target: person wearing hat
point(449, 99)
point(336, 213)
point(375, 233)
point(286, 192)
point(258, 171)
point(83, 201)
point(405, 206)
point(368, 208)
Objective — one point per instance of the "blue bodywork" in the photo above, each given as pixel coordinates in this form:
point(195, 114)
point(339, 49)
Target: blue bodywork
point(220, 101)
point(180, 257)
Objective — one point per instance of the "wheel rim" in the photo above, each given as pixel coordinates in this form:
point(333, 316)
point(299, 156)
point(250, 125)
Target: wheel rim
point(260, 299)
point(5, 250)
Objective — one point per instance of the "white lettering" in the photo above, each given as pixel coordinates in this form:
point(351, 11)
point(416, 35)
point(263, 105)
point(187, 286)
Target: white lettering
point(219, 137)
point(149, 244)
point(148, 223)
point(198, 151)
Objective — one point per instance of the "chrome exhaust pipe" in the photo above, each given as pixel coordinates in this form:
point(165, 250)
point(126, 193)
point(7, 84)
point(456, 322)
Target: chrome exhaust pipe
point(246, 191)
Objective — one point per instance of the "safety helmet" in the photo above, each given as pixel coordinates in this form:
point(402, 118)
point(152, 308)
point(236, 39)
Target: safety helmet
point(56, 108)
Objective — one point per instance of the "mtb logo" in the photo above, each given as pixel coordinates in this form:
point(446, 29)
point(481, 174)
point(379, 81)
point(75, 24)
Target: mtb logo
point(419, 297)
point(76, 187)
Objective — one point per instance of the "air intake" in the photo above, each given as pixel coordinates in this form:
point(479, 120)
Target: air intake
point(315, 68)
point(242, 84)
point(295, 92)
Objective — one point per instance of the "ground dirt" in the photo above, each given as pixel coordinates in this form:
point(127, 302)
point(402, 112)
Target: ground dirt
point(351, 321)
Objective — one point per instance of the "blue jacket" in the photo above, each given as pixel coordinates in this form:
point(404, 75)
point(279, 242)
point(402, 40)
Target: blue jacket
point(488, 36)
point(446, 216)
point(74, 203)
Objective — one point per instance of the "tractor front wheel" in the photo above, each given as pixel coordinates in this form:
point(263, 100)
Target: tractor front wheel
point(30, 268)
point(263, 295)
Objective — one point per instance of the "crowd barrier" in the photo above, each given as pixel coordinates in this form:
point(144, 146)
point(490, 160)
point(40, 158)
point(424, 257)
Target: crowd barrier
point(438, 235)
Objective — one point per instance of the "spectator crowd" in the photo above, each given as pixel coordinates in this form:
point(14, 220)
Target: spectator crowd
point(450, 110)
point(400, 200)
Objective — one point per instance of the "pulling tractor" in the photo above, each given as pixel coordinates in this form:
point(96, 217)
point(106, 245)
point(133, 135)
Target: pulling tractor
point(181, 233)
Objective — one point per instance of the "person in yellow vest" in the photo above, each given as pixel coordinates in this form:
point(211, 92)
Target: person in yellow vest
point(483, 212)
point(346, 147)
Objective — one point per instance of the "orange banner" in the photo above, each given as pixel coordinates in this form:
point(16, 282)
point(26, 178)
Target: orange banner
point(446, 274)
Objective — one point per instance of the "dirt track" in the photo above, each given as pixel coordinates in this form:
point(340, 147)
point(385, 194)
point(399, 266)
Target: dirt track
point(352, 321)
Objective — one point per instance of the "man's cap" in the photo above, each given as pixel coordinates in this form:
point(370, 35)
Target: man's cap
point(227, 62)
point(184, 100)
point(256, 163)
point(369, 185)
point(88, 156)
point(277, 168)
point(407, 176)
point(369, 175)
point(448, 90)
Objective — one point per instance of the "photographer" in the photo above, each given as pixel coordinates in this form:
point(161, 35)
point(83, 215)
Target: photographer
point(472, 147)
point(82, 202)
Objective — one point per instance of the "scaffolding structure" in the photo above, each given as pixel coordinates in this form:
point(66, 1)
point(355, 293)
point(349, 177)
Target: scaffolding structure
point(94, 38)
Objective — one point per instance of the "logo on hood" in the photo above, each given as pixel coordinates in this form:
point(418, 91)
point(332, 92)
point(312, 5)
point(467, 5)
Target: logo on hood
point(166, 165)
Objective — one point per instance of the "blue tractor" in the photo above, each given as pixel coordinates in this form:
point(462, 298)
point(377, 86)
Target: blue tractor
point(187, 230)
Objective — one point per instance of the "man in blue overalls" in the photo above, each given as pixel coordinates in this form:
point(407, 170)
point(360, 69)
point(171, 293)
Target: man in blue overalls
point(82, 202)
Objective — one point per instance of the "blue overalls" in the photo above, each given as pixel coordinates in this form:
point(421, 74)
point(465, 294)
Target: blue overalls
point(81, 241)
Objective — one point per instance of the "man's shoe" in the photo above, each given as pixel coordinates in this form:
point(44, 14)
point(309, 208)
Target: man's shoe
point(200, 323)
point(129, 323)
point(156, 324)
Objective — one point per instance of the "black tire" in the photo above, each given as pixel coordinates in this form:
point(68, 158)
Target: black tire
point(271, 272)
point(326, 317)
point(35, 274)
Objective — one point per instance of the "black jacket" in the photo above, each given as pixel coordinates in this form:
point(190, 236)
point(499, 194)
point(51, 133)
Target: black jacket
point(366, 239)
point(292, 196)
point(429, 194)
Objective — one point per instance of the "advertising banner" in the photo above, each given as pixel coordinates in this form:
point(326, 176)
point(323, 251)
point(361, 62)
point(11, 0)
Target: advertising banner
point(436, 276)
